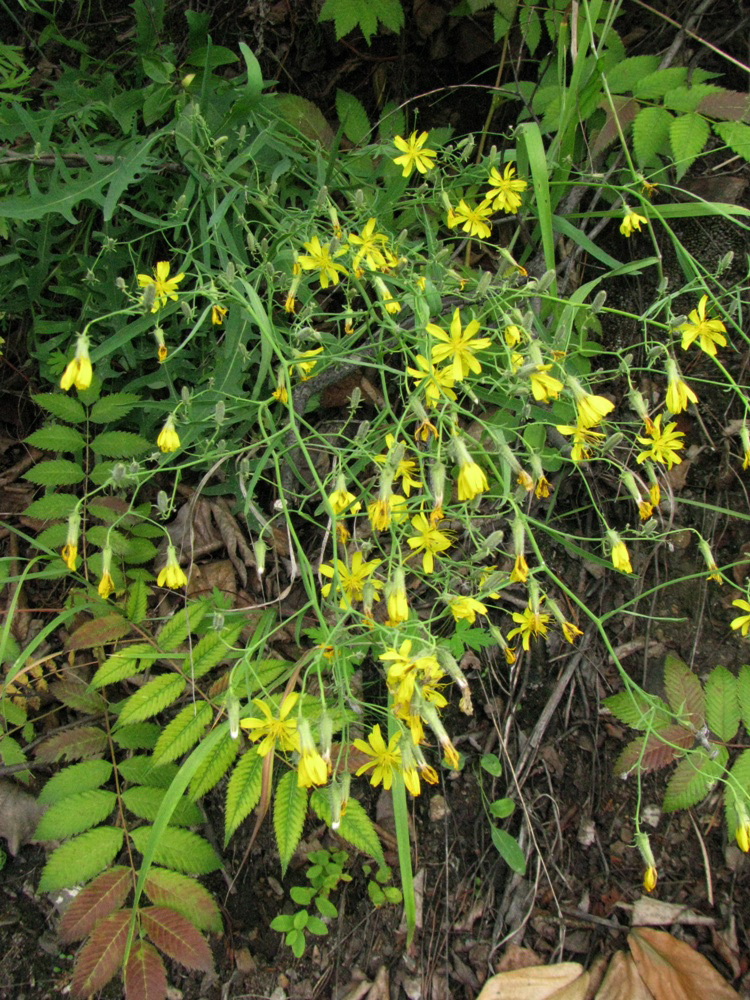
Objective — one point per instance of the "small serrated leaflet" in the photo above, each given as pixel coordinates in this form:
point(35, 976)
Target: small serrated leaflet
point(289, 808)
point(79, 859)
point(183, 732)
point(243, 791)
point(152, 698)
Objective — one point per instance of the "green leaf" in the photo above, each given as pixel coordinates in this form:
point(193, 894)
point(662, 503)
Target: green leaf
point(56, 472)
point(694, 777)
point(152, 698)
point(213, 648)
point(144, 802)
point(625, 75)
point(316, 926)
point(182, 850)
point(736, 136)
point(326, 908)
point(186, 896)
point(137, 736)
point(491, 764)
point(63, 407)
point(129, 171)
point(125, 663)
point(214, 766)
point(684, 692)
point(743, 694)
point(135, 609)
point(509, 850)
point(737, 791)
point(638, 710)
point(654, 85)
point(57, 437)
point(176, 630)
point(120, 444)
point(502, 808)
point(140, 771)
point(350, 14)
point(183, 732)
point(243, 791)
point(353, 117)
point(109, 408)
point(686, 99)
point(651, 135)
point(75, 814)
point(76, 778)
point(688, 136)
point(63, 194)
point(289, 808)
point(138, 550)
point(722, 704)
point(356, 827)
point(53, 505)
point(80, 859)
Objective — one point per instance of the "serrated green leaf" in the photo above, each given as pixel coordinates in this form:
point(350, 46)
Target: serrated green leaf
point(737, 792)
point(76, 778)
point(138, 550)
point(214, 766)
point(176, 630)
point(625, 75)
point(182, 850)
point(110, 408)
point(212, 649)
point(140, 771)
point(355, 827)
point(53, 537)
point(125, 663)
point(651, 135)
point(55, 472)
point(102, 473)
point(654, 85)
point(694, 777)
point(687, 99)
point(353, 117)
point(722, 705)
point(63, 407)
point(243, 791)
point(57, 437)
point(509, 850)
point(289, 808)
point(101, 536)
point(137, 736)
point(75, 814)
point(135, 609)
point(152, 698)
point(81, 858)
point(183, 732)
point(144, 802)
point(186, 896)
point(638, 710)
point(743, 694)
point(736, 136)
point(688, 135)
point(120, 444)
point(53, 505)
point(684, 692)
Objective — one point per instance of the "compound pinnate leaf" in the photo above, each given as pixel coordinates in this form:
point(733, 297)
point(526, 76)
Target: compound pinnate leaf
point(75, 814)
point(694, 777)
point(154, 696)
point(182, 850)
point(684, 692)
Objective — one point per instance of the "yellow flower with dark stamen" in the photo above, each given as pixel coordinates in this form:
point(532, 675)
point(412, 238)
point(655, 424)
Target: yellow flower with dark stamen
point(352, 581)
point(386, 760)
point(414, 155)
point(78, 372)
point(272, 729)
point(505, 189)
point(530, 624)
point(164, 287)
point(474, 221)
point(436, 382)
point(384, 509)
point(217, 315)
point(632, 221)
point(662, 445)
point(428, 540)
point(543, 488)
point(172, 573)
point(459, 345)
point(322, 259)
point(708, 332)
point(168, 439)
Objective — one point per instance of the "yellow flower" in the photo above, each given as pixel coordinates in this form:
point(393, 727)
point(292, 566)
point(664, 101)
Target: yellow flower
point(371, 248)
point(741, 623)
point(429, 540)
point(425, 429)
point(406, 467)
point(382, 510)
point(505, 189)
point(619, 554)
point(342, 500)
point(459, 345)
point(273, 729)
point(311, 769)
point(70, 549)
point(473, 221)
point(471, 480)
point(319, 258)
point(171, 574)
point(305, 368)
point(708, 331)
point(168, 439)
point(570, 632)
point(467, 608)
point(512, 336)
point(583, 438)
point(649, 878)
point(352, 581)
point(386, 760)
point(164, 286)
point(631, 220)
point(391, 305)
point(106, 584)
point(645, 509)
point(745, 440)
point(590, 409)
point(544, 387)
point(654, 494)
point(662, 445)
point(679, 394)
point(78, 372)
point(530, 623)
point(543, 488)
point(435, 382)
point(161, 353)
point(520, 572)
point(217, 315)
point(69, 553)
point(396, 599)
point(742, 833)
point(280, 394)
point(414, 155)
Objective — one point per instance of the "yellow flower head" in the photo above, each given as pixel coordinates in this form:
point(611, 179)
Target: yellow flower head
point(474, 221)
point(467, 609)
point(405, 469)
point(305, 368)
point(322, 259)
point(352, 581)
point(171, 574)
point(168, 439)
point(649, 878)
point(619, 554)
point(505, 189)
point(396, 599)
point(512, 336)
point(530, 623)
point(583, 438)
point(590, 409)
point(631, 221)
point(661, 445)
point(272, 729)
point(78, 372)
point(436, 382)
point(679, 393)
point(386, 760)
point(70, 549)
point(520, 573)
point(544, 387)
point(106, 584)
point(311, 769)
point(708, 332)
point(371, 249)
point(459, 345)
point(164, 287)
point(382, 510)
point(217, 315)
point(343, 500)
point(413, 154)
point(428, 540)
point(742, 622)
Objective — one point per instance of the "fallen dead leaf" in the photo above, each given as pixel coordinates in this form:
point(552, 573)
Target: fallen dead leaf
point(19, 815)
point(566, 981)
point(516, 957)
point(622, 981)
point(654, 913)
point(672, 970)
point(725, 943)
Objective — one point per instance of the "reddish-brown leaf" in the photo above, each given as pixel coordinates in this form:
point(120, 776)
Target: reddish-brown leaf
point(184, 894)
point(728, 105)
point(661, 749)
point(101, 956)
point(145, 978)
point(98, 632)
point(74, 744)
point(177, 937)
point(671, 968)
point(684, 692)
point(106, 893)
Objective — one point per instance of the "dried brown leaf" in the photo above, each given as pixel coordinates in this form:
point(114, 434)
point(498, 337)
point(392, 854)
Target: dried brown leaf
point(98, 632)
point(83, 743)
point(539, 983)
point(653, 912)
point(622, 981)
point(672, 970)
point(726, 105)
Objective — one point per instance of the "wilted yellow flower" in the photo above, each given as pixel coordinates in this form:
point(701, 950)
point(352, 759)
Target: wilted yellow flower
point(311, 769)
point(70, 549)
point(305, 368)
point(78, 372)
point(381, 511)
point(619, 554)
point(396, 599)
point(679, 393)
point(171, 574)
point(168, 439)
point(217, 315)
point(106, 584)
point(520, 573)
